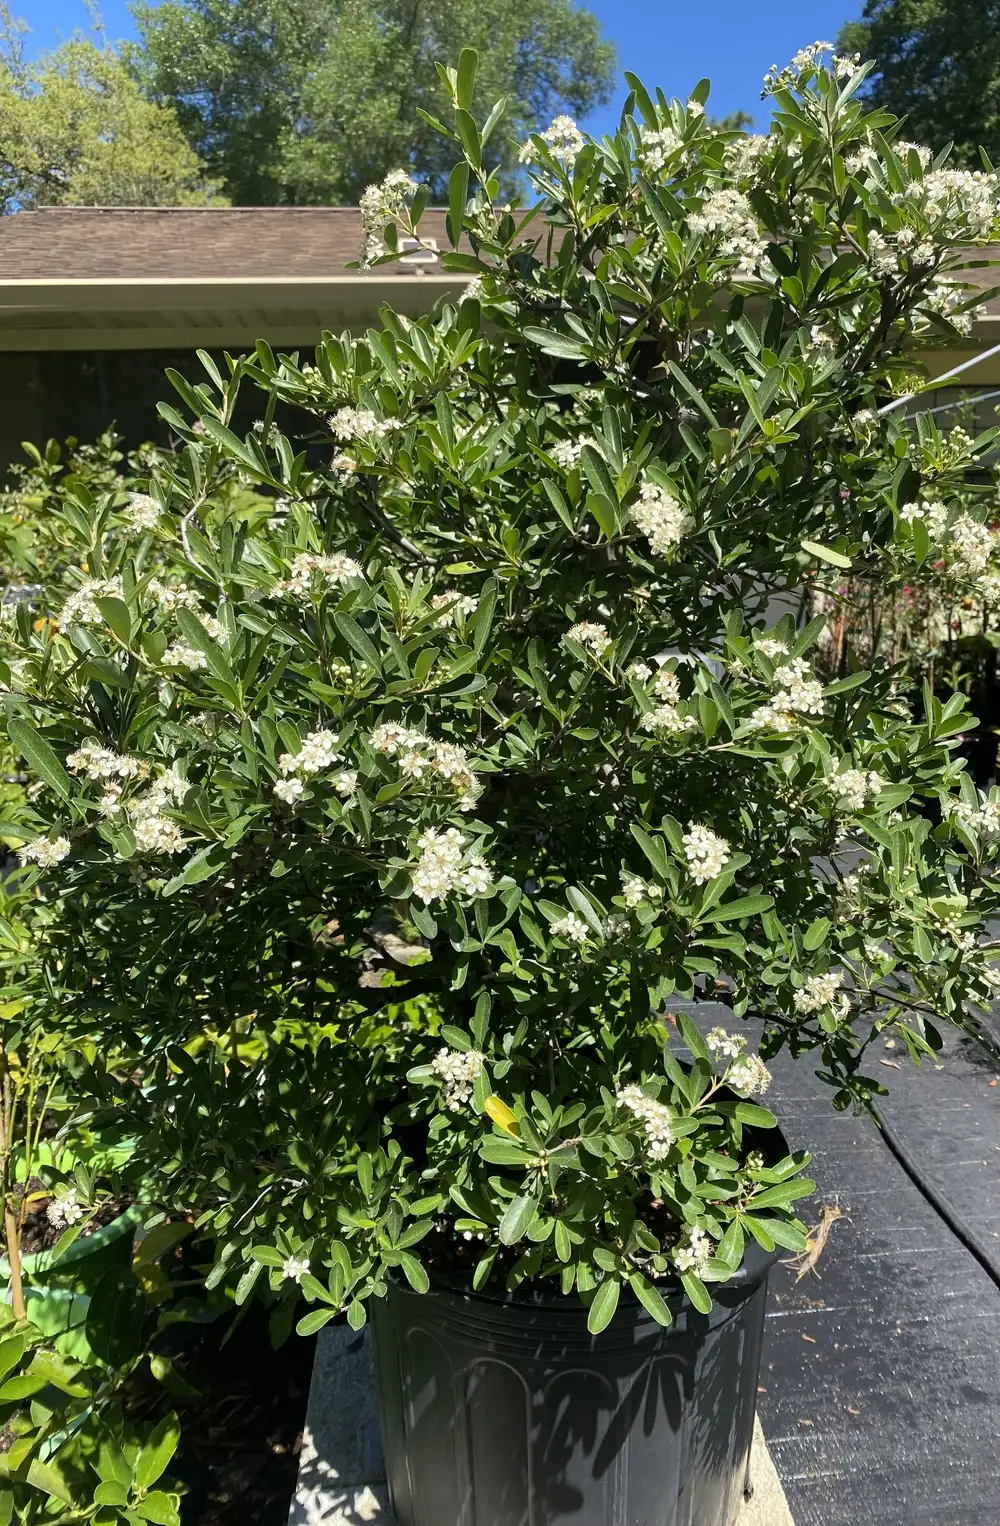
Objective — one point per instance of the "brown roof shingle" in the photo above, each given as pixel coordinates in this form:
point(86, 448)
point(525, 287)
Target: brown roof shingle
point(150, 243)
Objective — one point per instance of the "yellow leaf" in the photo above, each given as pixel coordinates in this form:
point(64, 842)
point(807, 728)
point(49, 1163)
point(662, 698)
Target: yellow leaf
point(502, 1116)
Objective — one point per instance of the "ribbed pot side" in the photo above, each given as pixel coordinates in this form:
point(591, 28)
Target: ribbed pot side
point(497, 1412)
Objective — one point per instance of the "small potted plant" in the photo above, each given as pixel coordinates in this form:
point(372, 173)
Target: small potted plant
point(382, 820)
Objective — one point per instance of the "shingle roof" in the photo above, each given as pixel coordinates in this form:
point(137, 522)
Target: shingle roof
point(149, 243)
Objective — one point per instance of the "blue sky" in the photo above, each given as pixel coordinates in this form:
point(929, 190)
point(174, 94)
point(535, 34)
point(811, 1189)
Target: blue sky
point(671, 43)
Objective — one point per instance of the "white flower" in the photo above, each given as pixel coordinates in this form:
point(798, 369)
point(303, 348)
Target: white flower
point(318, 751)
point(343, 465)
point(45, 851)
point(695, 1254)
point(657, 147)
point(640, 671)
point(455, 607)
point(983, 818)
point(728, 215)
point(634, 890)
point(661, 518)
point(459, 1069)
point(854, 787)
point(590, 633)
point(289, 790)
point(667, 718)
point(381, 205)
point(744, 155)
point(768, 647)
point(800, 694)
point(567, 453)
point(391, 738)
point(476, 878)
point(306, 566)
point(440, 864)
point(143, 513)
point(723, 1045)
point(182, 656)
point(818, 991)
point(346, 783)
point(169, 597)
point(213, 627)
point(654, 1116)
point(153, 831)
point(707, 854)
point(749, 1074)
point(360, 423)
point(99, 762)
point(81, 606)
point(574, 929)
point(564, 140)
point(66, 1210)
point(962, 203)
point(294, 1269)
point(974, 545)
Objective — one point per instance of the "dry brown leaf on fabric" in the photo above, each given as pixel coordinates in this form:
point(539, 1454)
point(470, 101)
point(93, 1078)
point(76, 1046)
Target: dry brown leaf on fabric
point(816, 1244)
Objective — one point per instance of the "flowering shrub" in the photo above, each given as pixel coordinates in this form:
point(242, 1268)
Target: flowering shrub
point(496, 711)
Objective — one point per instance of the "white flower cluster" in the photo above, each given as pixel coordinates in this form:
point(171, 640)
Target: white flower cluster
point(143, 513)
point(661, 518)
point(566, 453)
point(444, 867)
point(99, 762)
point(707, 854)
point(294, 1268)
point(317, 752)
point(81, 606)
point(728, 215)
point(571, 927)
point(590, 633)
point(695, 1254)
point(973, 545)
point(66, 1210)
point(945, 297)
point(818, 991)
point(180, 655)
point(306, 566)
point(455, 607)
point(749, 1074)
point(807, 61)
point(768, 647)
point(933, 515)
point(380, 205)
point(419, 755)
point(963, 203)
point(725, 1046)
point(854, 787)
point(153, 831)
point(744, 155)
point(169, 597)
point(636, 890)
point(657, 146)
point(44, 851)
point(665, 716)
point(800, 693)
point(459, 1069)
point(563, 139)
point(654, 1116)
point(360, 424)
point(982, 819)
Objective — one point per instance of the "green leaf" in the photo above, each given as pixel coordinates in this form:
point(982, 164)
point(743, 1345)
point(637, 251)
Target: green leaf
point(356, 638)
point(650, 1298)
point(553, 343)
point(110, 1494)
point(468, 63)
point(458, 192)
point(157, 1452)
point(38, 755)
point(825, 554)
point(517, 1219)
point(201, 866)
point(414, 1272)
point(602, 1310)
point(746, 906)
point(697, 1292)
point(112, 1464)
point(159, 1508)
point(315, 1320)
point(117, 618)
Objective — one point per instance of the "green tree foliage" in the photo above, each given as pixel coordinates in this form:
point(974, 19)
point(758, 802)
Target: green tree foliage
point(75, 129)
point(309, 101)
point(938, 64)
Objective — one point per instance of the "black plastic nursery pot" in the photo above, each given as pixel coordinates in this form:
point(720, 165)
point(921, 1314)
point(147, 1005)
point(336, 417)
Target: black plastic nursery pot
point(498, 1411)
